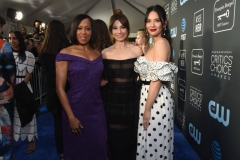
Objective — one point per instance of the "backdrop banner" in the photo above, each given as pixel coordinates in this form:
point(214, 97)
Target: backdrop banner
point(205, 39)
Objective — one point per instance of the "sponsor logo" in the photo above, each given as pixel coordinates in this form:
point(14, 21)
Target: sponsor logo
point(196, 98)
point(223, 15)
point(173, 6)
point(197, 61)
point(221, 64)
point(181, 117)
point(184, 24)
point(198, 23)
point(173, 32)
point(193, 131)
point(183, 37)
point(182, 59)
point(167, 10)
point(182, 2)
point(216, 151)
point(181, 87)
point(172, 84)
point(214, 111)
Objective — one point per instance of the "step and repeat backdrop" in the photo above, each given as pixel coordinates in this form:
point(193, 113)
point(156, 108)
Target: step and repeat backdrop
point(206, 46)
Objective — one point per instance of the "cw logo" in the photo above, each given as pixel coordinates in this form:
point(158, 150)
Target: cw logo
point(182, 2)
point(194, 133)
point(213, 108)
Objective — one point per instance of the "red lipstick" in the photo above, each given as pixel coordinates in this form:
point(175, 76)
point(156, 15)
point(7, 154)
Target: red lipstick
point(152, 30)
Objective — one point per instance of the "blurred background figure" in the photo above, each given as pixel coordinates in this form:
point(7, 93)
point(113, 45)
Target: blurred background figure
point(24, 64)
point(24, 32)
point(7, 78)
point(29, 44)
point(103, 39)
point(55, 40)
point(142, 40)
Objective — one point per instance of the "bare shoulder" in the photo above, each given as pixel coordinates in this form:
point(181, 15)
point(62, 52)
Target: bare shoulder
point(67, 50)
point(137, 50)
point(162, 50)
point(106, 51)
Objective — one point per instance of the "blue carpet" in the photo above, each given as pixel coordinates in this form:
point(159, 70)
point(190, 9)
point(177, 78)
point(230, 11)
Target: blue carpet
point(45, 145)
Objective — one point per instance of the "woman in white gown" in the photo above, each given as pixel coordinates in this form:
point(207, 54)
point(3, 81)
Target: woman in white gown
point(25, 62)
point(155, 128)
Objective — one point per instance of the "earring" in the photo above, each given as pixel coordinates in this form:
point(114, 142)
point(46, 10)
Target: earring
point(164, 31)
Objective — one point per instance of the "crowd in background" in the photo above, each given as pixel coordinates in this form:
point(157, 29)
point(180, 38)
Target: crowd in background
point(108, 96)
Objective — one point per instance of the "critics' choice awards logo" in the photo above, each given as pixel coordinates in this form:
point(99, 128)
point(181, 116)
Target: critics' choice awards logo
point(194, 133)
point(181, 89)
point(198, 23)
point(182, 60)
point(181, 117)
point(167, 10)
point(197, 61)
point(196, 98)
point(173, 32)
point(216, 151)
point(221, 64)
point(218, 112)
point(223, 15)
point(173, 6)
point(182, 2)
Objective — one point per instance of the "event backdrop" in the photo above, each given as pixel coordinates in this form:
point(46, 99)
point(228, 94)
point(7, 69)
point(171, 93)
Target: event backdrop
point(206, 47)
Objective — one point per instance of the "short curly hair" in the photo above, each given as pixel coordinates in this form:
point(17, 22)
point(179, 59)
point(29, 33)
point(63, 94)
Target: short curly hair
point(2, 21)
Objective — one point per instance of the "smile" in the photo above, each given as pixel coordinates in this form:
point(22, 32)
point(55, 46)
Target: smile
point(152, 30)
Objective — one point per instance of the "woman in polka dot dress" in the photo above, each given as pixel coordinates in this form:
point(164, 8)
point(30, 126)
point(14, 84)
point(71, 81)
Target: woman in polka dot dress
point(155, 127)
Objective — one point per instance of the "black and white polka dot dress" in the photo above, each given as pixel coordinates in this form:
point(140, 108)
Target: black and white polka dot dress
point(156, 142)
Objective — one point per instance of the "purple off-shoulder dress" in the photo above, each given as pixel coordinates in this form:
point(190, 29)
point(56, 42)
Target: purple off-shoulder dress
point(85, 100)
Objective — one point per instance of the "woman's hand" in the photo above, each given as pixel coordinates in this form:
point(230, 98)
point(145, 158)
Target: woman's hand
point(75, 125)
point(146, 118)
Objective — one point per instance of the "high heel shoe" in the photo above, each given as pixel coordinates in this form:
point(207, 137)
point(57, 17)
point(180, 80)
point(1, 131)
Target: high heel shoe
point(31, 146)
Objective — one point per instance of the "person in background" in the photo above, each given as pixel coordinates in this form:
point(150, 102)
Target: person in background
point(142, 40)
point(24, 64)
point(119, 91)
point(103, 39)
point(83, 118)
point(24, 32)
point(54, 42)
point(156, 124)
point(36, 43)
point(29, 44)
point(7, 79)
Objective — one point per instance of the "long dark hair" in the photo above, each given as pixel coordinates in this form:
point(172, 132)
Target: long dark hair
point(74, 26)
point(21, 45)
point(163, 18)
point(103, 39)
point(55, 38)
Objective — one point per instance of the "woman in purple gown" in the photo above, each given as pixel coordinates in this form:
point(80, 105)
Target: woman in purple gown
point(80, 65)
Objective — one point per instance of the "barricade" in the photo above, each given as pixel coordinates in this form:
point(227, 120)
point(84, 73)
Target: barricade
point(37, 82)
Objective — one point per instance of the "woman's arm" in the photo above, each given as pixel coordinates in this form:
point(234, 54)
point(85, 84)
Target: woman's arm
point(61, 79)
point(153, 91)
point(103, 82)
point(27, 77)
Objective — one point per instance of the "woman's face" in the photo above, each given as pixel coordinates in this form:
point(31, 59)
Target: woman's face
point(140, 40)
point(13, 41)
point(84, 32)
point(119, 32)
point(154, 24)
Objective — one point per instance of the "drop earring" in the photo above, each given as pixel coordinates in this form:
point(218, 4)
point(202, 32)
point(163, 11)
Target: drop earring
point(164, 31)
